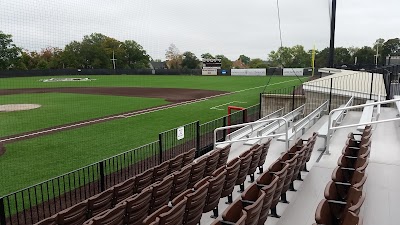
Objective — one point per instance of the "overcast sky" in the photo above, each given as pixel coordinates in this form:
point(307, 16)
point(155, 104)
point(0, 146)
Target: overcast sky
point(228, 27)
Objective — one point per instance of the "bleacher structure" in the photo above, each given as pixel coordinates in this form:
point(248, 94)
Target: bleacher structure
point(295, 182)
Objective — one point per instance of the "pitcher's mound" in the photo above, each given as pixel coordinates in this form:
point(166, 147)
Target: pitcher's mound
point(18, 107)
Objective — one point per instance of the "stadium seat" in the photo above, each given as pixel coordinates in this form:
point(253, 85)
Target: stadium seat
point(197, 172)
point(216, 183)
point(232, 171)
point(245, 160)
point(235, 214)
point(196, 200)
point(124, 190)
point(324, 215)
point(346, 178)
point(100, 202)
point(181, 181)
point(188, 157)
point(352, 201)
point(291, 161)
point(257, 151)
point(175, 163)
point(252, 200)
point(143, 180)
point(263, 157)
point(223, 156)
point(167, 215)
point(359, 164)
point(280, 170)
point(48, 221)
point(138, 206)
point(301, 160)
point(212, 162)
point(114, 216)
point(76, 214)
point(160, 171)
point(267, 182)
point(362, 152)
point(310, 147)
point(161, 193)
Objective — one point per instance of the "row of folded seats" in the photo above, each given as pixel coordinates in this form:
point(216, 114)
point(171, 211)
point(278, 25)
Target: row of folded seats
point(344, 194)
point(262, 196)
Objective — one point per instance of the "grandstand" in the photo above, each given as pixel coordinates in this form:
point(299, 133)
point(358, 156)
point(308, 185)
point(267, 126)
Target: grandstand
point(334, 165)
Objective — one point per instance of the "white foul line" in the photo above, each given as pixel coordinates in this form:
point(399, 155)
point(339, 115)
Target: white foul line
point(217, 107)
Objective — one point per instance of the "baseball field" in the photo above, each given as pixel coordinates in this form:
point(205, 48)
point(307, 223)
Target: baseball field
point(77, 123)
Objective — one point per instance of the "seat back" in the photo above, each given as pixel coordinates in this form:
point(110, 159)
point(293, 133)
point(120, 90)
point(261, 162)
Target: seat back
point(223, 156)
point(291, 161)
point(160, 171)
point(256, 196)
point(188, 157)
point(175, 164)
point(100, 202)
point(216, 183)
point(363, 152)
point(175, 215)
point(264, 152)
point(235, 213)
point(245, 160)
point(232, 171)
point(181, 181)
point(161, 193)
point(76, 214)
point(138, 206)
point(257, 151)
point(114, 216)
point(359, 164)
point(124, 190)
point(197, 172)
point(351, 218)
point(355, 178)
point(212, 162)
point(354, 198)
point(310, 145)
point(323, 214)
point(267, 182)
point(280, 170)
point(143, 180)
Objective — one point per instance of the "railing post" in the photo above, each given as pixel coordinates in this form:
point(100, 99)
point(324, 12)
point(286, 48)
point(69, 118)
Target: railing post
point(2, 212)
point(330, 96)
point(372, 84)
point(260, 112)
point(198, 135)
point(244, 116)
point(102, 177)
point(224, 131)
point(160, 148)
point(294, 87)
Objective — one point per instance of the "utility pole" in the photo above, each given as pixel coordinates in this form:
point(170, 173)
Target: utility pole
point(332, 45)
point(113, 59)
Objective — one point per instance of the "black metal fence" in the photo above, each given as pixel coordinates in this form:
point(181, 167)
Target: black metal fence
point(32, 204)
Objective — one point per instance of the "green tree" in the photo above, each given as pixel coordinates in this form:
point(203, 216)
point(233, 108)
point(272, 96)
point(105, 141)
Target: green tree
point(244, 59)
point(365, 55)
point(135, 56)
point(207, 56)
point(294, 56)
point(257, 63)
point(72, 57)
point(190, 61)
point(342, 56)
point(226, 63)
point(391, 47)
point(9, 52)
point(174, 58)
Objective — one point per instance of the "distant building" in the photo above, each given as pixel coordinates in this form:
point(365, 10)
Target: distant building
point(154, 65)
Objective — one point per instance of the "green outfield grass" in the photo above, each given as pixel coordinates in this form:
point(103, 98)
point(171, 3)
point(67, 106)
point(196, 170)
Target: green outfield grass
point(31, 161)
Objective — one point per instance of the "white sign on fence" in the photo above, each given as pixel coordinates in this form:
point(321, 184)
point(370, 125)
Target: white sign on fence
point(293, 71)
point(248, 72)
point(209, 71)
point(180, 133)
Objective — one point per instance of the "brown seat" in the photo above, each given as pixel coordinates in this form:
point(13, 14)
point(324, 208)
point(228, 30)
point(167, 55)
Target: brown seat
point(280, 170)
point(257, 151)
point(175, 164)
point(181, 181)
point(100, 202)
point(167, 215)
point(232, 171)
point(359, 164)
point(160, 171)
point(216, 183)
point(114, 216)
point(324, 215)
point(76, 214)
point(138, 206)
point(235, 213)
point(310, 147)
point(291, 160)
point(161, 193)
point(48, 221)
point(346, 178)
point(223, 156)
point(351, 201)
point(362, 152)
point(302, 151)
point(197, 172)
point(143, 180)
point(124, 190)
point(212, 162)
point(252, 200)
point(245, 160)
point(188, 157)
point(267, 182)
point(196, 199)
point(263, 156)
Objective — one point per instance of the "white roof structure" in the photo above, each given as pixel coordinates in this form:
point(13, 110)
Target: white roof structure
point(350, 83)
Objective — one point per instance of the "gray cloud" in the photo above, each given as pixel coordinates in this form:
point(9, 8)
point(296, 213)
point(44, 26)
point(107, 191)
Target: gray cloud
point(219, 27)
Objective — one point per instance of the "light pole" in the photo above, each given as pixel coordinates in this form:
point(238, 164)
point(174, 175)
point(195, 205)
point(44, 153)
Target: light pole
point(113, 57)
point(332, 44)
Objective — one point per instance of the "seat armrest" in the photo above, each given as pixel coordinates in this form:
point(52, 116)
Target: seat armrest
point(247, 202)
point(337, 202)
point(346, 168)
point(227, 222)
point(342, 183)
point(351, 157)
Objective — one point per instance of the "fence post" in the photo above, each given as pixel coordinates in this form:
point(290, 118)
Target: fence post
point(198, 135)
point(2, 212)
point(372, 84)
point(160, 147)
point(330, 96)
point(260, 107)
point(244, 115)
point(294, 87)
point(102, 178)
point(224, 131)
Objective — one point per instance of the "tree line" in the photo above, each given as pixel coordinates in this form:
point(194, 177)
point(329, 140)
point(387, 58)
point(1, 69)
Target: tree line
point(98, 51)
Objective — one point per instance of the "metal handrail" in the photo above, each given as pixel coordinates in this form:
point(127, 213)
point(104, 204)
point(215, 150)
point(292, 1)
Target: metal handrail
point(254, 138)
point(330, 128)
